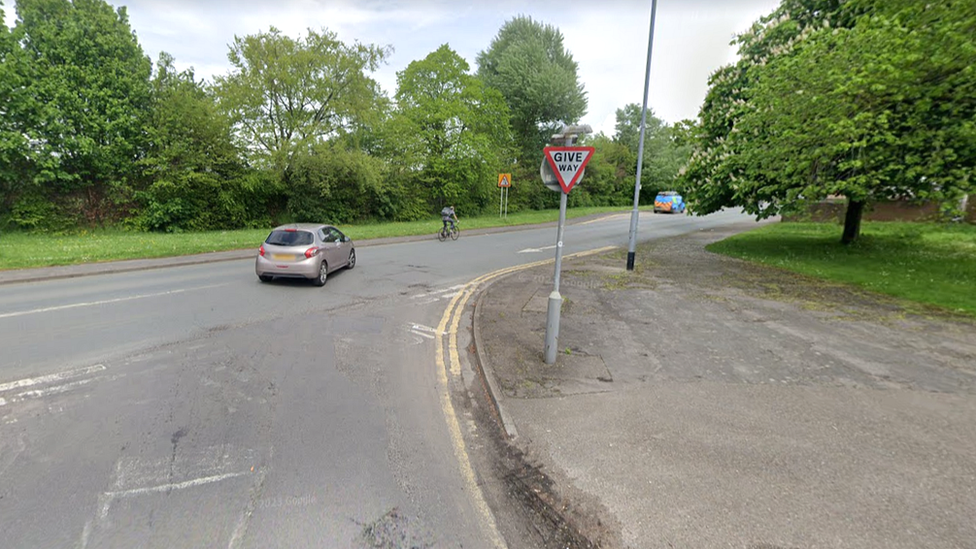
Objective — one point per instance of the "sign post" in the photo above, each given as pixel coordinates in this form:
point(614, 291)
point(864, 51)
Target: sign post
point(635, 214)
point(504, 183)
point(562, 168)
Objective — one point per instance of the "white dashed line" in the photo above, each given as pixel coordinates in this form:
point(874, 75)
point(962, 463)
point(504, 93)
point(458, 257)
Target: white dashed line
point(57, 389)
point(535, 250)
point(103, 302)
point(50, 378)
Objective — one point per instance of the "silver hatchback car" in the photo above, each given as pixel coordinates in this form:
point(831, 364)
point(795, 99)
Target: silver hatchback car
point(304, 250)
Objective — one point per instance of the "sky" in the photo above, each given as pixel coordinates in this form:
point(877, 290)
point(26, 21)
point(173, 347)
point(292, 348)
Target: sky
point(608, 39)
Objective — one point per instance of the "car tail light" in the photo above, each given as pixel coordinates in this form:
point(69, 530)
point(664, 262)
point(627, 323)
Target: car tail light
point(311, 252)
point(291, 230)
point(261, 250)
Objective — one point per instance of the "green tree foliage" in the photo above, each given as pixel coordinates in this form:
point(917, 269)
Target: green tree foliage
point(13, 145)
point(529, 64)
point(337, 184)
point(611, 174)
point(865, 99)
point(664, 153)
point(194, 176)
point(451, 133)
point(85, 94)
point(608, 180)
point(288, 95)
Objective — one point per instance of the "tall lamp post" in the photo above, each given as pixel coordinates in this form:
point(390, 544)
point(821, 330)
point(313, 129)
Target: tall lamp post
point(632, 246)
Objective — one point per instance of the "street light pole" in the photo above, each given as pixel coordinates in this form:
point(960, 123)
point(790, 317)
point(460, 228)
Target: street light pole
point(632, 246)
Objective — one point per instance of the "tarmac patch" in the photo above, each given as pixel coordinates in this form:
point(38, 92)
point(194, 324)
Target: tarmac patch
point(394, 530)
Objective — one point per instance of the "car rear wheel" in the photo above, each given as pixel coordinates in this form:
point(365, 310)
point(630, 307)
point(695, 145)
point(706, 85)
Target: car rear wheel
point(323, 275)
point(265, 278)
point(352, 259)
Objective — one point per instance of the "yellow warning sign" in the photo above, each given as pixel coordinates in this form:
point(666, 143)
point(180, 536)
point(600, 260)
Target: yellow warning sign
point(504, 180)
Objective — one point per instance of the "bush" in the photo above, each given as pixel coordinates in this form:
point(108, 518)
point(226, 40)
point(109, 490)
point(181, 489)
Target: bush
point(336, 185)
point(193, 201)
point(33, 211)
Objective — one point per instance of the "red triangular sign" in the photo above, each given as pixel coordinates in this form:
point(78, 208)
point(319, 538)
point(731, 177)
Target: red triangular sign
point(568, 164)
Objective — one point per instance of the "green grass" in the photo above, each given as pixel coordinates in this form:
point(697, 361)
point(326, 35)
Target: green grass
point(26, 250)
point(927, 263)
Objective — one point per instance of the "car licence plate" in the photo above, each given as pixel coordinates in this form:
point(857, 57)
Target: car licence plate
point(283, 257)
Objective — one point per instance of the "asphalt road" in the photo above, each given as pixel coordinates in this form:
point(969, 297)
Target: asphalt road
point(196, 407)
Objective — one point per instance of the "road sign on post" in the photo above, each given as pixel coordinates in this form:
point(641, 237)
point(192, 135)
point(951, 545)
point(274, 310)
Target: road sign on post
point(562, 168)
point(568, 164)
point(504, 184)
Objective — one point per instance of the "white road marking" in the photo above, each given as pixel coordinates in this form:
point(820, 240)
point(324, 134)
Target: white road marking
point(436, 295)
point(535, 250)
point(423, 328)
point(57, 389)
point(50, 378)
point(138, 476)
point(105, 500)
point(86, 533)
point(241, 528)
point(133, 472)
point(422, 331)
point(3, 401)
point(173, 486)
point(105, 301)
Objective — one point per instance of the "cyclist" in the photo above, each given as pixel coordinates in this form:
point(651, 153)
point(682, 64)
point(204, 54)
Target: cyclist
point(448, 216)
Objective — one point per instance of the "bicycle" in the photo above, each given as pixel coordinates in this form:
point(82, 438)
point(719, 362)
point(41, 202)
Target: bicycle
point(445, 232)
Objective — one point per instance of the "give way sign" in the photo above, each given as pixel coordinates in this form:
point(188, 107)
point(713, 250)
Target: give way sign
point(568, 163)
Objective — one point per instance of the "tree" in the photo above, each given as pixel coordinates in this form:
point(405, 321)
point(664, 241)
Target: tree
point(192, 168)
point(609, 179)
point(628, 126)
point(664, 156)
point(13, 146)
point(451, 130)
point(538, 78)
point(863, 99)
point(85, 94)
point(340, 184)
point(881, 110)
point(286, 95)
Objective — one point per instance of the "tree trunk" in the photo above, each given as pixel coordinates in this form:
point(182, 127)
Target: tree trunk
point(852, 220)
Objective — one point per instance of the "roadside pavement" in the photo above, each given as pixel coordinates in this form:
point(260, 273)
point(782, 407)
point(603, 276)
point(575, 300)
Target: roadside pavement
point(701, 401)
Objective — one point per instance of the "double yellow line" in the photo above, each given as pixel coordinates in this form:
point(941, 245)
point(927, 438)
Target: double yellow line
point(452, 318)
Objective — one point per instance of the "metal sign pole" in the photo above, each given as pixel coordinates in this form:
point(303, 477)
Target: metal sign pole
point(555, 300)
point(507, 189)
point(635, 214)
point(571, 168)
point(501, 197)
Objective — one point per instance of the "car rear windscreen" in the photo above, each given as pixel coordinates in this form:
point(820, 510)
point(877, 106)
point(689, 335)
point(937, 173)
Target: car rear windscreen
point(289, 238)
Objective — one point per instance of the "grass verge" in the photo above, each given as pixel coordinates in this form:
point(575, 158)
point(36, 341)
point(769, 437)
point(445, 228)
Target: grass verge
point(927, 263)
point(26, 250)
